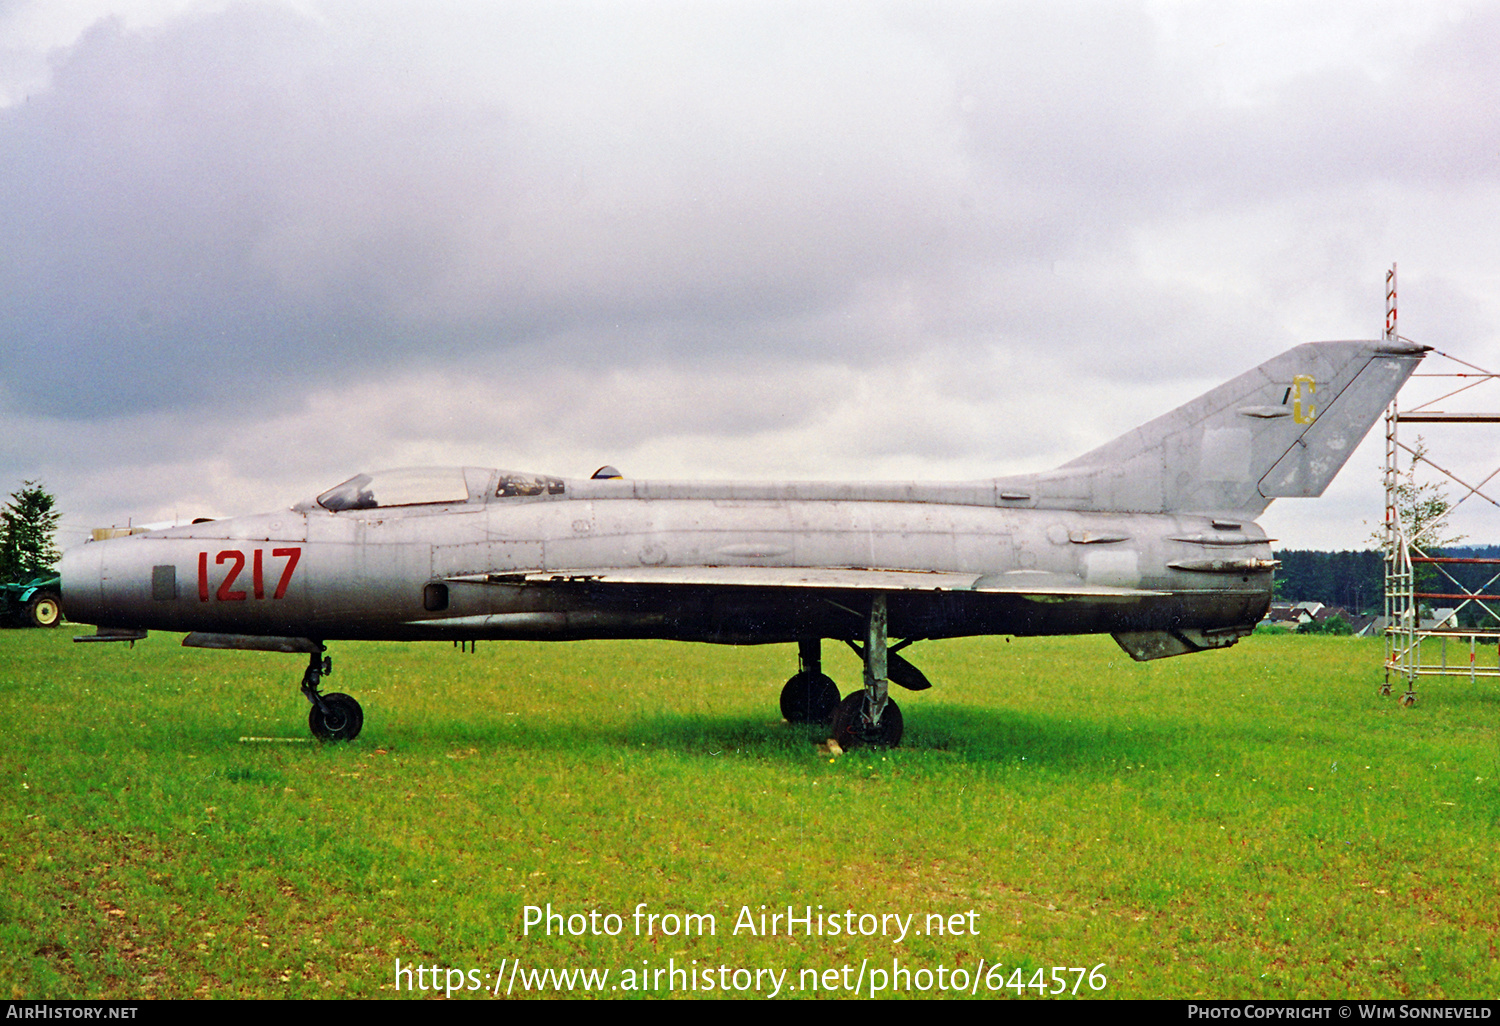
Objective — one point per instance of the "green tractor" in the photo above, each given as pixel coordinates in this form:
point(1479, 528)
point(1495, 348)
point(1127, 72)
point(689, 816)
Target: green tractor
point(33, 603)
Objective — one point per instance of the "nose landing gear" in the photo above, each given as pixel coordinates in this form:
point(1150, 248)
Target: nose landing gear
point(333, 717)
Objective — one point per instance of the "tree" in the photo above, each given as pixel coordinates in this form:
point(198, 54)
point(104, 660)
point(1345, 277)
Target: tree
point(27, 525)
point(1423, 508)
point(1354, 580)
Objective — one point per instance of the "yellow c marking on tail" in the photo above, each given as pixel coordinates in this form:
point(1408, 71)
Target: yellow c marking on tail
point(1309, 413)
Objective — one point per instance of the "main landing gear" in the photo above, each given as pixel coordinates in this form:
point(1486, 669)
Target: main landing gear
point(811, 695)
point(868, 716)
point(333, 717)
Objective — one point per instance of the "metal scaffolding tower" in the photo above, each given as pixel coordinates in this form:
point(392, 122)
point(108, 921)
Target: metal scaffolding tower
point(1417, 575)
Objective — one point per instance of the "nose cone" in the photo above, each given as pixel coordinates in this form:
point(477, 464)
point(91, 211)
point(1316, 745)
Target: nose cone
point(82, 572)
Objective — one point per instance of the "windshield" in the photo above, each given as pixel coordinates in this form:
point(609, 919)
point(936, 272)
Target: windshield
point(414, 486)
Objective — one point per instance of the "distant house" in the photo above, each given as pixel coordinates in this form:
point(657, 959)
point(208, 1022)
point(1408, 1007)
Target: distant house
point(1290, 615)
point(1294, 615)
point(1312, 609)
point(1279, 615)
point(1440, 620)
point(1359, 624)
point(1325, 619)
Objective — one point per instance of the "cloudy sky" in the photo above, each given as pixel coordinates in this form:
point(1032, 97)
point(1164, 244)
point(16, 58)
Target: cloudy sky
point(247, 249)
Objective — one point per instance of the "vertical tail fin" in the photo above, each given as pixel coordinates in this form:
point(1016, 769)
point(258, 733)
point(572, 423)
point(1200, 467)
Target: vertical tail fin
point(1283, 429)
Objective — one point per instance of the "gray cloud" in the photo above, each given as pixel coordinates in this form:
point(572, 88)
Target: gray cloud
point(250, 246)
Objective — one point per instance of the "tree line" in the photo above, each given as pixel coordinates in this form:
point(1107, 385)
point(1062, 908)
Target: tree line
point(1355, 580)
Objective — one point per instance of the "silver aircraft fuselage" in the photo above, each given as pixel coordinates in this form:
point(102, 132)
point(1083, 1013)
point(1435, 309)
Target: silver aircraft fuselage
point(687, 561)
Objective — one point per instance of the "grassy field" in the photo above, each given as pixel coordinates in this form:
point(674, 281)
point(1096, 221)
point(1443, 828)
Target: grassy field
point(1250, 823)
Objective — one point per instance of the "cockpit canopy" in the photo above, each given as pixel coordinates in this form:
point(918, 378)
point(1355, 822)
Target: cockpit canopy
point(422, 486)
point(411, 486)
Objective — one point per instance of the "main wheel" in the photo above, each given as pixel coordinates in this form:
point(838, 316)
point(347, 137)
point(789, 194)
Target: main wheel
point(809, 698)
point(850, 733)
point(343, 721)
point(44, 610)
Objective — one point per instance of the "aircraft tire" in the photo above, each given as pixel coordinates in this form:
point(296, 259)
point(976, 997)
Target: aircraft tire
point(44, 610)
point(845, 728)
point(344, 720)
point(809, 698)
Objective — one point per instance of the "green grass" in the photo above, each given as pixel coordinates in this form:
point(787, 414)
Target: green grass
point(1254, 823)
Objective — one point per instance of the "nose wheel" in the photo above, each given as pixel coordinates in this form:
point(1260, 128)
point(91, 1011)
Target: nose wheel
point(338, 719)
point(333, 717)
